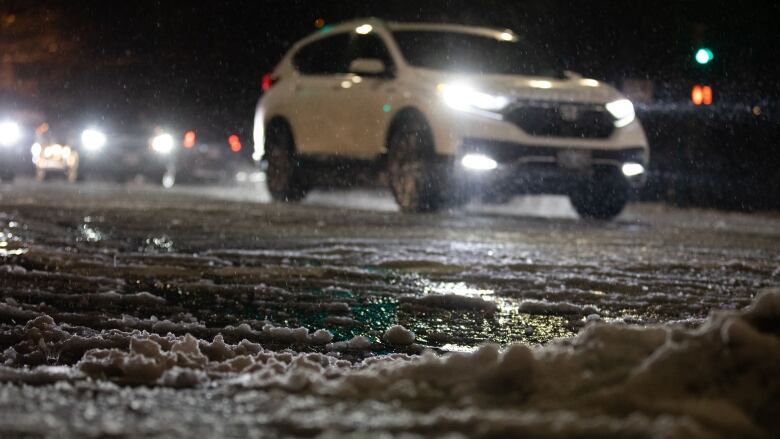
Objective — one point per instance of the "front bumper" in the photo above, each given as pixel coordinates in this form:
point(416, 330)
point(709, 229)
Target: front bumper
point(452, 130)
point(127, 164)
point(544, 169)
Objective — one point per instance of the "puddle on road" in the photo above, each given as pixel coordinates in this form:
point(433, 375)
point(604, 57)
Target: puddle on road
point(90, 234)
point(158, 244)
point(10, 244)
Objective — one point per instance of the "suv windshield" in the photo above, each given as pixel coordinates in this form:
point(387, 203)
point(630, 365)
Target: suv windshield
point(471, 53)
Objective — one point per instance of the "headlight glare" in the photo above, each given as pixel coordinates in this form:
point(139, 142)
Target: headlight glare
point(9, 133)
point(163, 143)
point(464, 97)
point(623, 112)
point(632, 169)
point(92, 139)
point(478, 162)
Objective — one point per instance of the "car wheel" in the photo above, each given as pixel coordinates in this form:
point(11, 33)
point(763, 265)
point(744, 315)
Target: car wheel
point(601, 197)
point(285, 179)
point(415, 175)
point(7, 176)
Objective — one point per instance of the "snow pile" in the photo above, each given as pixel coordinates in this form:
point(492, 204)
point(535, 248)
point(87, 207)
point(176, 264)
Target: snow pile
point(398, 335)
point(721, 377)
point(182, 364)
point(356, 343)
point(611, 380)
point(42, 340)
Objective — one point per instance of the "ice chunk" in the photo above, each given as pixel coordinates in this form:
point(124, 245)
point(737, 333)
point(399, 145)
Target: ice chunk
point(398, 335)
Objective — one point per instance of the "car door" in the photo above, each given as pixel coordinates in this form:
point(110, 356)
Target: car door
point(368, 98)
point(317, 118)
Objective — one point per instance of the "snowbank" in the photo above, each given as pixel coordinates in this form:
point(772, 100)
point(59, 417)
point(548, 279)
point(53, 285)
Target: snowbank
point(398, 335)
point(611, 380)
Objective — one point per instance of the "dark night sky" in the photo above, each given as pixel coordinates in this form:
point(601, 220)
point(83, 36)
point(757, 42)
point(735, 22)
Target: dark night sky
point(205, 58)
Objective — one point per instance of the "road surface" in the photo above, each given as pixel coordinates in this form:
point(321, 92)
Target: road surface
point(241, 317)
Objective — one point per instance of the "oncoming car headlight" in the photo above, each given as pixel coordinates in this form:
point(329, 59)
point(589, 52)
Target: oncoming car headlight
point(9, 133)
point(465, 98)
point(623, 112)
point(92, 139)
point(163, 143)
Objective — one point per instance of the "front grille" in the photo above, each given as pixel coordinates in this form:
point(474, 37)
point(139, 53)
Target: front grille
point(558, 119)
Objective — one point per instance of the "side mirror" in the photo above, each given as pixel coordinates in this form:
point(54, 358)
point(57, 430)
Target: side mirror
point(368, 67)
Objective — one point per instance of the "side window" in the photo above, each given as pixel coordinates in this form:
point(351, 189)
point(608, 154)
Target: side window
point(323, 57)
point(369, 46)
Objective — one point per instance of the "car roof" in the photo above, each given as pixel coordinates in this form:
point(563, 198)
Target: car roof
point(448, 27)
point(409, 26)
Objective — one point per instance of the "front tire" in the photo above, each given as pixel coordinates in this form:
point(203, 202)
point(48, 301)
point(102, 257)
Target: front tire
point(601, 197)
point(285, 179)
point(416, 177)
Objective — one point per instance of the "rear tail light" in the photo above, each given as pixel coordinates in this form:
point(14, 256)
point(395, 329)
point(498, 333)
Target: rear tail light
point(268, 81)
point(189, 139)
point(234, 142)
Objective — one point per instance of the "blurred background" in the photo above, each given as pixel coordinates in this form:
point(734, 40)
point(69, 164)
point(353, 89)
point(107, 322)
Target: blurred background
point(703, 74)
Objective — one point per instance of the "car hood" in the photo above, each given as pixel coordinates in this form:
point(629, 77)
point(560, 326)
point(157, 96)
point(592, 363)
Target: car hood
point(525, 87)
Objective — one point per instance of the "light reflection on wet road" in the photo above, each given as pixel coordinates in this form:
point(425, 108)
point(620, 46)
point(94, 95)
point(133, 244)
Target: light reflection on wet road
point(348, 262)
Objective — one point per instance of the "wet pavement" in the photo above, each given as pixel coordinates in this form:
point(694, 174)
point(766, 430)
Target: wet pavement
point(223, 261)
point(456, 279)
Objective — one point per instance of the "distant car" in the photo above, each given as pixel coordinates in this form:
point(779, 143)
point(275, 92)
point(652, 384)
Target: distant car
point(16, 135)
point(11, 149)
point(449, 111)
point(52, 157)
point(123, 151)
point(210, 157)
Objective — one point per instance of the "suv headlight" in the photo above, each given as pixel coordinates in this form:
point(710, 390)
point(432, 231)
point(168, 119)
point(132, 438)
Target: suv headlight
point(93, 140)
point(623, 112)
point(9, 133)
point(465, 98)
point(163, 143)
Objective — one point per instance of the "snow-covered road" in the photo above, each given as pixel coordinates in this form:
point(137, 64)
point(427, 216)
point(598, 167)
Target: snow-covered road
point(246, 318)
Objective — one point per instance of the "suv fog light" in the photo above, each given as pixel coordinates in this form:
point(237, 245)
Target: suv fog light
point(632, 169)
point(478, 162)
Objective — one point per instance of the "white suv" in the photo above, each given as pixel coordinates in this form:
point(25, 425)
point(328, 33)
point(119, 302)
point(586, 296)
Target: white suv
point(448, 112)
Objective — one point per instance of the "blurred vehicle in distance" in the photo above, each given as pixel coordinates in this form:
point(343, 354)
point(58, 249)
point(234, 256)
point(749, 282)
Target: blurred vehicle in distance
point(448, 112)
point(208, 156)
point(125, 149)
point(17, 130)
point(52, 157)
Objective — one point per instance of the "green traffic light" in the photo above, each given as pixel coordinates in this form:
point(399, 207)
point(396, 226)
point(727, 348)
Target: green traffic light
point(704, 55)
